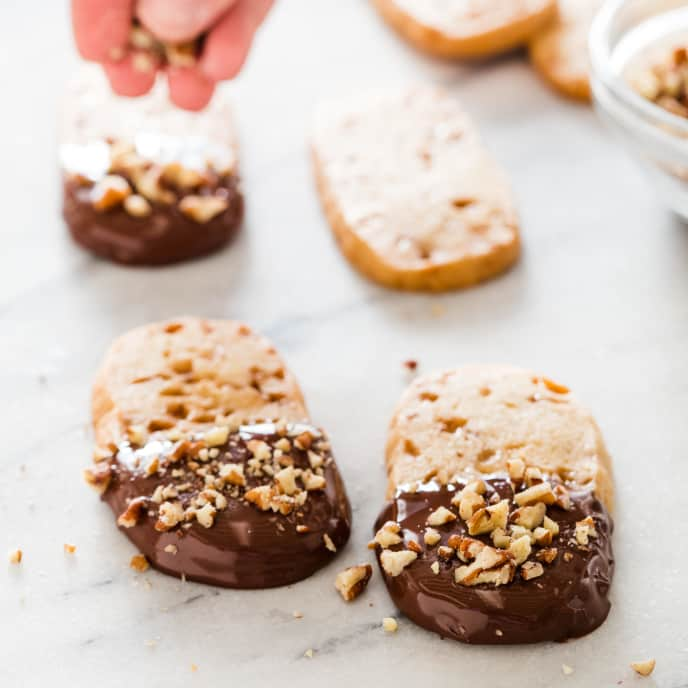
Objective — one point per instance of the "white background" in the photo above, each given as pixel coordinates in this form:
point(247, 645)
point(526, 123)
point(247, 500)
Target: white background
point(599, 301)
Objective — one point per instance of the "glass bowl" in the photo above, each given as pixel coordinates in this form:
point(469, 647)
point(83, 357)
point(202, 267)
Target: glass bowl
point(625, 35)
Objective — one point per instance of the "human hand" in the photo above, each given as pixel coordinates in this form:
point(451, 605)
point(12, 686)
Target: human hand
point(102, 30)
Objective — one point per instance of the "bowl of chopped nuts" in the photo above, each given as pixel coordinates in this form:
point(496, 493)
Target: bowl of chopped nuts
point(639, 78)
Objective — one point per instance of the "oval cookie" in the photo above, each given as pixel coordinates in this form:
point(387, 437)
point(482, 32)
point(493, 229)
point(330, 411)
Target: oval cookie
point(498, 527)
point(145, 183)
point(560, 51)
point(466, 28)
point(206, 455)
point(412, 196)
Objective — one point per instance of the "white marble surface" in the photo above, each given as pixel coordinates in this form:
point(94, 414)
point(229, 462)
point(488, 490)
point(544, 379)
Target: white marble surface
point(599, 301)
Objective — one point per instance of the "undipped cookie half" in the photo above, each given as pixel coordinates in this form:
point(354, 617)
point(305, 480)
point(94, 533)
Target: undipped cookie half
point(467, 28)
point(498, 527)
point(412, 196)
point(206, 455)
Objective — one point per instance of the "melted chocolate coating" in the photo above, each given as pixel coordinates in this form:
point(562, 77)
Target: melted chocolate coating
point(165, 236)
point(567, 601)
point(246, 547)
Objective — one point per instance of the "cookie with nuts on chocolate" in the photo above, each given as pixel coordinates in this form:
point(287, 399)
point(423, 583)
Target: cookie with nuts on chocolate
point(145, 183)
point(460, 29)
point(206, 455)
point(559, 51)
point(498, 526)
point(412, 196)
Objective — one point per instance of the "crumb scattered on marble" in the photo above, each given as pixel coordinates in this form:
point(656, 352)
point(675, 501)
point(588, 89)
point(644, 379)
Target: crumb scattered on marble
point(297, 615)
point(566, 669)
point(150, 643)
point(15, 556)
point(352, 581)
point(389, 624)
point(410, 364)
point(69, 549)
point(438, 309)
point(308, 653)
point(644, 668)
point(194, 667)
point(139, 563)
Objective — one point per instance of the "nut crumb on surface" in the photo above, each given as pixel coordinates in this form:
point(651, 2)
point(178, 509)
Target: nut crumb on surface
point(389, 624)
point(139, 563)
point(297, 615)
point(308, 653)
point(15, 556)
point(566, 669)
point(194, 667)
point(410, 364)
point(644, 668)
point(352, 581)
point(69, 549)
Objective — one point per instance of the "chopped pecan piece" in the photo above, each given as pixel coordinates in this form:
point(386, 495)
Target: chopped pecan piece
point(99, 477)
point(531, 569)
point(541, 492)
point(169, 515)
point(585, 530)
point(644, 668)
point(352, 581)
point(529, 517)
point(109, 192)
point(517, 469)
point(488, 519)
point(393, 563)
point(233, 473)
point(431, 537)
point(328, 543)
point(548, 555)
point(415, 547)
point(441, 516)
point(388, 535)
point(130, 516)
point(520, 549)
point(261, 496)
point(470, 502)
point(139, 563)
point(202, 209)
point(493, 566)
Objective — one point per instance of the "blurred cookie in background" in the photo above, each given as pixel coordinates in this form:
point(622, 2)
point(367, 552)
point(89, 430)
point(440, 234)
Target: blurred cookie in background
point(465, 29)
point(560, 51)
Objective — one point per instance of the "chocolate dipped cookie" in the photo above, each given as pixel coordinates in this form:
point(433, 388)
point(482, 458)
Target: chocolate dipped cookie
point(498, 527)
point(466, 28)
point(145, 183)
point(208, 459)
point(413, 198)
